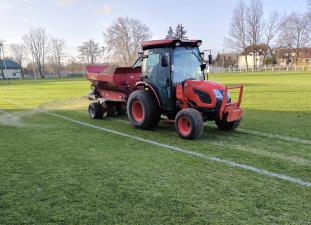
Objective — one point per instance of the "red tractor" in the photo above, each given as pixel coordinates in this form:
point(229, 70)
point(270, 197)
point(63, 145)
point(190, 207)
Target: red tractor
point(168, 79)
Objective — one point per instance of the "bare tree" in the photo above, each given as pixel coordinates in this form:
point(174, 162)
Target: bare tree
point(237, 33)
point(90, 51)
point(36, 43)
point(285, 36)
point(301, 32)
point(18, 54)
point(294, 33)
point(271, 30)
point(309, 14)
point(254, 20)
point(57, 50)
point(124, 38)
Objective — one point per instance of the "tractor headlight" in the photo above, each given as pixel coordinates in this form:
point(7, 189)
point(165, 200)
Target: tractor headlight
point(218, 94)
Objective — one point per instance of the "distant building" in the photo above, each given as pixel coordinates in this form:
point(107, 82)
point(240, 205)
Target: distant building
point(254, 56)
point(10, 69)
point(287, 57)
point(256, 61)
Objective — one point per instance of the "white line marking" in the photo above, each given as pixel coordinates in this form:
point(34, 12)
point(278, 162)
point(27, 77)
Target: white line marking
point(277, 136)
point(270, 135)
point(256, 151)
point(177, 149)
point(265, 153)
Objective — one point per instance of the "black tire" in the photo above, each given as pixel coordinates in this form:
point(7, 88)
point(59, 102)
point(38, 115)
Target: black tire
point(96, 110)
point(189, 124)
point(121, 109)
point(111, 109)
point(149, 114)
point(227, 126)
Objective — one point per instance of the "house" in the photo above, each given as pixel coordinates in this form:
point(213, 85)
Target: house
point(254, 56)
point(256, 61)
point(10, 69)
point(287, 57)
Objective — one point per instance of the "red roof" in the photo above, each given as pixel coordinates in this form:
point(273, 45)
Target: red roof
point(155, 43)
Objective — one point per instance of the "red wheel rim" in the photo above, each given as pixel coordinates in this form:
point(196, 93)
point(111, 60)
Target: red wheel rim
point(184, 125)
point(137, 111)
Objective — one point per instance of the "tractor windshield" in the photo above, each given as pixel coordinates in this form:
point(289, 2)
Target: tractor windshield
point(186, 64)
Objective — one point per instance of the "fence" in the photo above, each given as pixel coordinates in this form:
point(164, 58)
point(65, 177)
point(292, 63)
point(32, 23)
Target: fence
point(261, 69)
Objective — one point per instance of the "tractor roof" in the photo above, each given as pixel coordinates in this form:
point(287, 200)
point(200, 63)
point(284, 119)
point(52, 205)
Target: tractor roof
point(170, 43)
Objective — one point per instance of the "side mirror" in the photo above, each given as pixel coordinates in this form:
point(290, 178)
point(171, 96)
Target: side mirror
point(210, 59)
point(203, 67)
point(207, 58)
point(141, 56)
point(164, 60)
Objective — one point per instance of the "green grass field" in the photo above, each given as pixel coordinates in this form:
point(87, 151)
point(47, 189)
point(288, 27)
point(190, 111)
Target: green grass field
point(55, 171)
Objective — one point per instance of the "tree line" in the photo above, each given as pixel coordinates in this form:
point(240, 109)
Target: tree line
point(249, 29)
point(122, 41)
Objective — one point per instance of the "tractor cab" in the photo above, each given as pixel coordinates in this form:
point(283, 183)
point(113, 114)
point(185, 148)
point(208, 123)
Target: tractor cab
point(166, 63)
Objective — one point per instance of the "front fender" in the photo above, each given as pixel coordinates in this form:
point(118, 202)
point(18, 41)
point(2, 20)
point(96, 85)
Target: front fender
point(147, 86)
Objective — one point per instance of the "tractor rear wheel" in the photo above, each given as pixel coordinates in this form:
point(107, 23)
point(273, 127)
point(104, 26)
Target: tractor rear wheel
point(143, 110)
point(227, 126)
point(189, 124)
point(96, 110)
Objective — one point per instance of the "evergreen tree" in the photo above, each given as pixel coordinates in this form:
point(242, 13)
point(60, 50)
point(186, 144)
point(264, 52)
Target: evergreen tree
point(180, 32)
point(170, 33)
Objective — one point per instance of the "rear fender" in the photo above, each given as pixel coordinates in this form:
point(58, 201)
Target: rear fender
point(148, 87)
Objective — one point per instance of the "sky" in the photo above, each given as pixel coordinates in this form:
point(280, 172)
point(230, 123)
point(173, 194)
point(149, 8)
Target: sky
point(76, 21)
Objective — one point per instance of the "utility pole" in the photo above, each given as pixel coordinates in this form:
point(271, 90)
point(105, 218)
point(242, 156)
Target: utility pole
point(2, 74)
point(4, 64)
point(223, 59)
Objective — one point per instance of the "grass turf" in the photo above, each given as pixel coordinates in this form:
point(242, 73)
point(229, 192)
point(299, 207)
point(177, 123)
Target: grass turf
point(56, 172)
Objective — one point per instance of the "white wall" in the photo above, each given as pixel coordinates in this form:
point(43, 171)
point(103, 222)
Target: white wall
point(250, 61)
point(11, 74)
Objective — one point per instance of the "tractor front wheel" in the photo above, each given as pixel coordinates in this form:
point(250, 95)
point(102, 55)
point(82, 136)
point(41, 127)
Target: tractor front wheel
point(96, 110)
point(189, 124)
point(227, 126)
point(143, 110)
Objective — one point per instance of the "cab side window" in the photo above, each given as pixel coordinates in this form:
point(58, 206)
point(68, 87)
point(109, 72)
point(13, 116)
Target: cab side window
point(150, 65)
